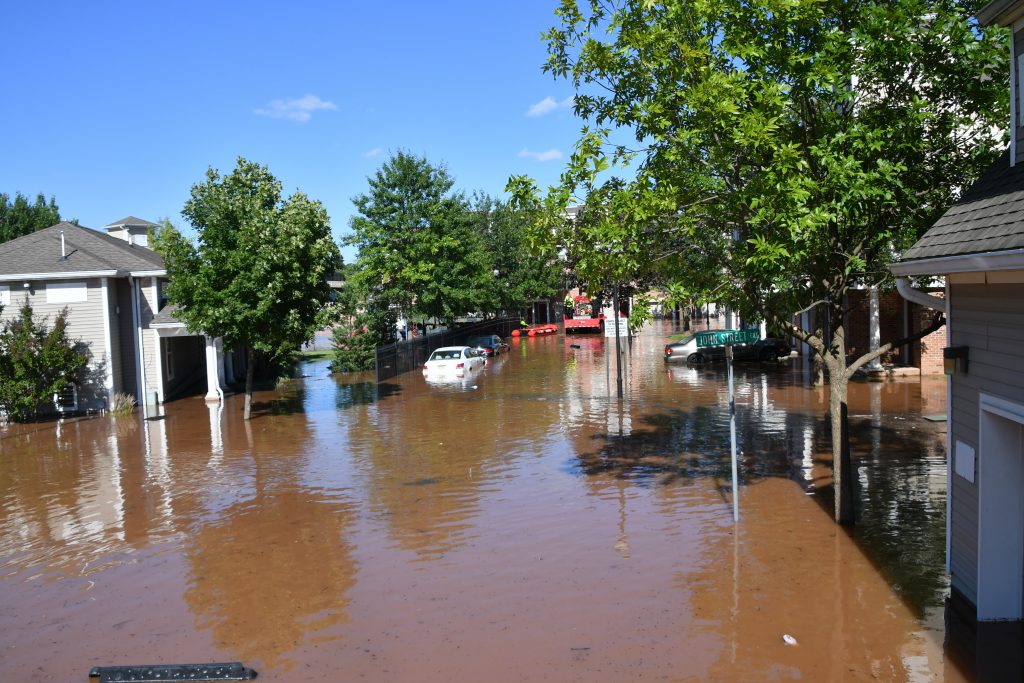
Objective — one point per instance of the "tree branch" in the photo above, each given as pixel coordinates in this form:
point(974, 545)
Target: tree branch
point(937, 322)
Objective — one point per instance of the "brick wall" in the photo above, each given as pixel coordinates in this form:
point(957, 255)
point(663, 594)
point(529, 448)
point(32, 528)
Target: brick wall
point(925, 354)
point(928, 351)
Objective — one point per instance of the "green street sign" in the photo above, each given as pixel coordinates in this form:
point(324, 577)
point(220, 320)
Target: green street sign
point(727, 337)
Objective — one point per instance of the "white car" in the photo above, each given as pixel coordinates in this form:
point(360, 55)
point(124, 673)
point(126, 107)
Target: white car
point(453, 361)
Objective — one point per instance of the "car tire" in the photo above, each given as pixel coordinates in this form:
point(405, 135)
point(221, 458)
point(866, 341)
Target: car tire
point(696, 359)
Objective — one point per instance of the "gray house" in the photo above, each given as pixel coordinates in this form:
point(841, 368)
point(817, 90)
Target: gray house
point(978, 246)
point(111, 283)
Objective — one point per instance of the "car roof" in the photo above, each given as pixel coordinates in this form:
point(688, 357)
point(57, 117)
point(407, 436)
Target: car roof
point(450, 348)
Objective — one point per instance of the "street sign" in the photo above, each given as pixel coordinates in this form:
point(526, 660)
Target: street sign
point(609, 326)
point(727, 337)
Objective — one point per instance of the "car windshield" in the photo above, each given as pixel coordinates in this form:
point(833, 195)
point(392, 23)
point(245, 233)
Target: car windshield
point(480, 341)
point(446, 354)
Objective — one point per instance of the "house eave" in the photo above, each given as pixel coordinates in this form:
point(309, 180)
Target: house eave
point(1011, 259)
point(1002, 12)
point(148, 273)
point(75, 275)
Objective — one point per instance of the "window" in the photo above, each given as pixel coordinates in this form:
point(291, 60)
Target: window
point(161, 296)
point(66, 292)
point(5, 295)
point(168, 359)
point(66, 399)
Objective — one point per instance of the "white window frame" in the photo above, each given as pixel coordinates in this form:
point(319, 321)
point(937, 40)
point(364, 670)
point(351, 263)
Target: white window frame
point(64, 407)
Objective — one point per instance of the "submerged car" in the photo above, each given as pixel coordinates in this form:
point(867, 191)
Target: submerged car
point(489, 345)
point(769, 349)
point(453, 361)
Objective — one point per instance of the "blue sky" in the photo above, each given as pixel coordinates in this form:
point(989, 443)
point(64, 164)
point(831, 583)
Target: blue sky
point(118, 109)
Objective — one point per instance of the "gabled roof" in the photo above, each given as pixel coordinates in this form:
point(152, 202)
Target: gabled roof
point(166, 317)
point(130, 220)
point(88, 252)
point(987, 220)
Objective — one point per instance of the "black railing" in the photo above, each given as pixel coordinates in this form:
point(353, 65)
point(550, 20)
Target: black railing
point(400, 357)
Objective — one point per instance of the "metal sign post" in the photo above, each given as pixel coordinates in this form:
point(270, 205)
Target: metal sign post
point(728, 338)
point(732, 438)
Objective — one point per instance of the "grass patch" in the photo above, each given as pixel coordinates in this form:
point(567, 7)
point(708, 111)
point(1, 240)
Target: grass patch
point(317, 354)
point(123, 404)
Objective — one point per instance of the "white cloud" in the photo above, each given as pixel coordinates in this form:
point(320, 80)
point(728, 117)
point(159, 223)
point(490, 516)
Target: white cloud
point(299, 110)
point(549, 155)
point(375, 152)
point(548, 105)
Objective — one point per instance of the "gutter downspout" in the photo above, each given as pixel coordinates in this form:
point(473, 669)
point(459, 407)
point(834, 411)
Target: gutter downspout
point(920, 298)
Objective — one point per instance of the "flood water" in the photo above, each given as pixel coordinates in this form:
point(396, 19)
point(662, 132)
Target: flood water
point(522, 525)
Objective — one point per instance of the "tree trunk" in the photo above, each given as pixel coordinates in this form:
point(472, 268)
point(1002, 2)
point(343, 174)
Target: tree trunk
point(250, 372)
point(832, 355)
point(842, 464)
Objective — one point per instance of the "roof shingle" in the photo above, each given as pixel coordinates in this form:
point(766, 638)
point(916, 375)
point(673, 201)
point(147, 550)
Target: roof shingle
point(988, 218)
point(86, 251)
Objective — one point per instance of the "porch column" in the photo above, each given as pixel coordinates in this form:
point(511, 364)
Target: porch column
point(212, 374)
point(874, 333)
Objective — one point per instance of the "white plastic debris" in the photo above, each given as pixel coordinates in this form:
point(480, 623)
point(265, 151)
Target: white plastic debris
point(788, 639)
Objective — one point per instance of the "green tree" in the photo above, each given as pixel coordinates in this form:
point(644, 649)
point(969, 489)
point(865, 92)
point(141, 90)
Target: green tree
point(36, 362)
point(785, 150)
point(257, 275)
point(417, 250)
point(20, 217)
point(519, 276)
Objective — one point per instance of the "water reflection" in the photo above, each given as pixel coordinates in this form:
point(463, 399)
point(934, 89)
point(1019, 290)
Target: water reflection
point(529, 525)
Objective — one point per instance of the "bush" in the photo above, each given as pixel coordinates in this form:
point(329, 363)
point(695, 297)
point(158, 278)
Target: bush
point(355, 348)
point(36, 363)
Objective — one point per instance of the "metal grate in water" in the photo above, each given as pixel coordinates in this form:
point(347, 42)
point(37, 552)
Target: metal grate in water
point(151, 673)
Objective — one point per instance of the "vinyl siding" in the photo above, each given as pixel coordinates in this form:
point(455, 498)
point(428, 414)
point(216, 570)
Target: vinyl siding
point(989, 319)
point(85, 323)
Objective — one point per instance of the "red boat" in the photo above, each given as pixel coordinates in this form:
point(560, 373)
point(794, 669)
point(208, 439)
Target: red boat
point(535, 331)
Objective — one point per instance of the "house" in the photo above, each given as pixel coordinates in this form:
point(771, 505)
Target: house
point(978, 246)
point(111, 283)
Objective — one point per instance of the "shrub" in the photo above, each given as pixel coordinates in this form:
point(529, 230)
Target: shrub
point(36, 363)
point(355, 348)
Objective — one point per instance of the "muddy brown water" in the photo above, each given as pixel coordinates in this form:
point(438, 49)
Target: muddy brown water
point(522, 525)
